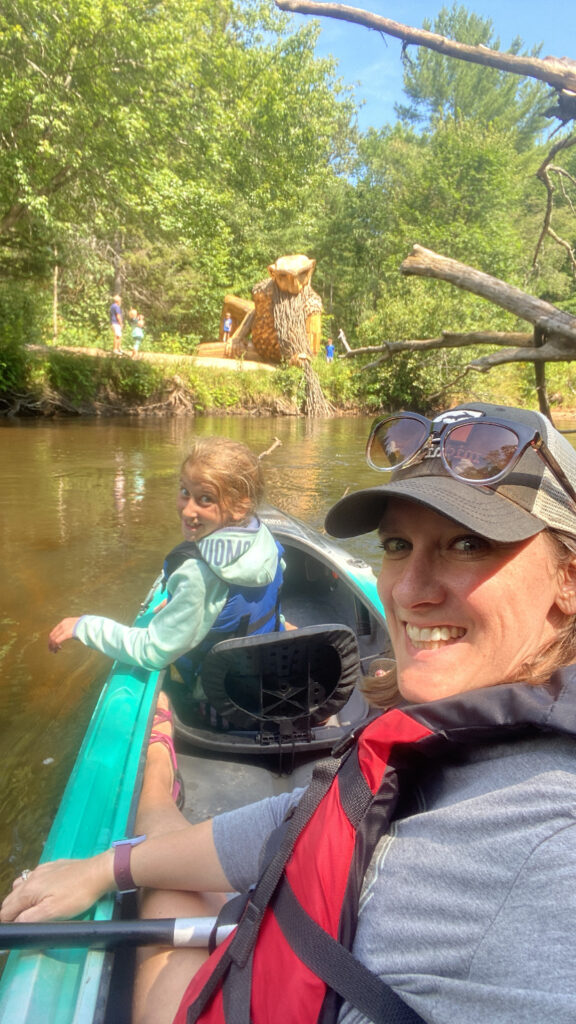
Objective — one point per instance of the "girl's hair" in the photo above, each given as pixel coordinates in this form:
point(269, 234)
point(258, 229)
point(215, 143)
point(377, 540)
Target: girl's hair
point(233, 471)
point(382, 691)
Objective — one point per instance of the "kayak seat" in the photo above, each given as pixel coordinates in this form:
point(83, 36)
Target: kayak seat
point(299, 674)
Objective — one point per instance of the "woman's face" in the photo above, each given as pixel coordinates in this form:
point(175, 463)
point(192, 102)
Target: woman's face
point(463, 611)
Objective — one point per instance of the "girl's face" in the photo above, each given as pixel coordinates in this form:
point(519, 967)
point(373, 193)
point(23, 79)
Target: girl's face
point(198, 507)
point(463, 611)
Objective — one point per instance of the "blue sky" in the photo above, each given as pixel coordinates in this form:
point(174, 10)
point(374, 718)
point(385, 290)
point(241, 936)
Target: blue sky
point(365, 56)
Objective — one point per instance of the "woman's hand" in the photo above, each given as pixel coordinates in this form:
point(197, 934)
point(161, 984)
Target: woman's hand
point(59, 890)
point(63, 631)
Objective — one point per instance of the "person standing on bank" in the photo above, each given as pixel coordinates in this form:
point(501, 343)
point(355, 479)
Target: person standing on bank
point(116, 324)
point(468, 905)
point(226, 331)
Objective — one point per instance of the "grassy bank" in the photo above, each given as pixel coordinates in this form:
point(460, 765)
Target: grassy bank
point(48, 381)
point(38, 381)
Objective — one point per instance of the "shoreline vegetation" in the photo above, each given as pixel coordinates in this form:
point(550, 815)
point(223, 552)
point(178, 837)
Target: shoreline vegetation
point(42, 381)
point(46, 381)
point(232, 145)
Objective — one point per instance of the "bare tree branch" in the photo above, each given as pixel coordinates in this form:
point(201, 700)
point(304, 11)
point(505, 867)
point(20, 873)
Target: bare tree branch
point(553, 339)
point(544, 172)
point(546, 354)
point(559, 72)
point(448, 339)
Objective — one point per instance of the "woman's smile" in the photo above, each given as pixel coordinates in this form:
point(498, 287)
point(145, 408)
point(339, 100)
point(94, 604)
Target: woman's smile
point(429, 638)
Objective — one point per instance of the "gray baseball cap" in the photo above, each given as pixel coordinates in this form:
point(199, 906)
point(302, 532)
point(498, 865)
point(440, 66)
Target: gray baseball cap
point(520, 505)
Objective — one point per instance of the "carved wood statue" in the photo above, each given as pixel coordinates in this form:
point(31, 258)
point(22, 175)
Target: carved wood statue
point(285, 318)
point(288, 312)
point(285, 323)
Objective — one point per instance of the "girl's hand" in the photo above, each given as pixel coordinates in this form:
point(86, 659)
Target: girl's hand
point(60, 889)
point(63, 631)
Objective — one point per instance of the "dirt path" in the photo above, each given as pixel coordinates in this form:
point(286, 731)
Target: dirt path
point(163, 357)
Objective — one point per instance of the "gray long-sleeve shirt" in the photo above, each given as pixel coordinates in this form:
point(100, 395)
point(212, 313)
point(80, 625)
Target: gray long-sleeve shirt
point(469, 906)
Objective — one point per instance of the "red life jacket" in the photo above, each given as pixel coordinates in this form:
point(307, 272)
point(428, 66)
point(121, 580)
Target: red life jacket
point(289, 957)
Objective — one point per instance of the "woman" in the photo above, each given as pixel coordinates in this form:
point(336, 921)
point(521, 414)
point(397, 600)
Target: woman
point(468, 902)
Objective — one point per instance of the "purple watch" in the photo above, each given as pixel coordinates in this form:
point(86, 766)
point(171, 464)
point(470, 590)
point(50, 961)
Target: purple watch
point(122, 874)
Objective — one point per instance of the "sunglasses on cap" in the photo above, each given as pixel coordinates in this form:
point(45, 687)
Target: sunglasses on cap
point(477, 451)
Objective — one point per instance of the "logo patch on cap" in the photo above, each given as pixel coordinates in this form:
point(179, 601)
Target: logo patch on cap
point(456, 415)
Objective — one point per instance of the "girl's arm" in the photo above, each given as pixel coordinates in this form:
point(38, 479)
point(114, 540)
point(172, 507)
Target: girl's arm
point(63, 631)
point(197, 597)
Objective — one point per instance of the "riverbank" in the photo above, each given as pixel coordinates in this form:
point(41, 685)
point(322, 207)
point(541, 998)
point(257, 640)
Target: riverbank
point(42, 381)
point(208, 355)
point(45, 381)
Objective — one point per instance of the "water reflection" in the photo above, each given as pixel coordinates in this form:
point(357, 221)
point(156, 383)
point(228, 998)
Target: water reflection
point(129, 481)
point(87, 512)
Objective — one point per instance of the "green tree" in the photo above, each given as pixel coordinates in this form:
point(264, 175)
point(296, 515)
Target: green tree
point(460, 190)
point(441, 86)
point(131, 132)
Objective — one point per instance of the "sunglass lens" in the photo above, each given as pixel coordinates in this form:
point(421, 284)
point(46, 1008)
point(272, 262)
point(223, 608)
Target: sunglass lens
point(480, 451)
point(394, 441)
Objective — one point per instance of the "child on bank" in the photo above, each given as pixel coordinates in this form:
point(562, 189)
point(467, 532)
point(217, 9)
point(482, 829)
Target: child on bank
point(137, 335)
point(227, 572)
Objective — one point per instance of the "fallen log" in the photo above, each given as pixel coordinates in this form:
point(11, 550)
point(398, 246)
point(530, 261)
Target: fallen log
point(448, 339)
point(545, 354)
point(551, 320)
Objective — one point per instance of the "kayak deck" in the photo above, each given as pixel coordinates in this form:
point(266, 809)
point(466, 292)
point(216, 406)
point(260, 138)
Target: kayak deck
point(268, 694)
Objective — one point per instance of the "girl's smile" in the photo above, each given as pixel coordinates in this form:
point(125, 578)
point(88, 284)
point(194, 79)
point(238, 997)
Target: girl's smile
point(463, 611)
point(198, 506)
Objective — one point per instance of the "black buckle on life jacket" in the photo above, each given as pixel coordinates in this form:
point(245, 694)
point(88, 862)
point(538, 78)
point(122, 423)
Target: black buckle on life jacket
point(348, 741)
point(246, 934)
point(345, 744)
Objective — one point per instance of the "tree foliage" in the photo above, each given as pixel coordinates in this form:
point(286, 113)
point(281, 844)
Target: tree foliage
point(199, 130)
point(175, 150)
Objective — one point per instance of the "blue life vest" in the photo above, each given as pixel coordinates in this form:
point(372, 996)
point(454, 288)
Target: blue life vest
point(248, 610)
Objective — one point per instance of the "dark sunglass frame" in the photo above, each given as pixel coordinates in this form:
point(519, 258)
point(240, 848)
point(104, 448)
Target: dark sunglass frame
point(528, 437)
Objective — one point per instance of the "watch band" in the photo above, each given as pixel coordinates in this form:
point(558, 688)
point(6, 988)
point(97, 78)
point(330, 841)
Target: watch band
point(122, 873)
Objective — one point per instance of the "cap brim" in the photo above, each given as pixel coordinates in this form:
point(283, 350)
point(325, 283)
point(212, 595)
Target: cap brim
point(482, 510)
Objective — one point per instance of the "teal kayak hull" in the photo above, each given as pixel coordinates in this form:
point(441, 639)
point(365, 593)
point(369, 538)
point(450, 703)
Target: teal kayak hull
point(98, 806)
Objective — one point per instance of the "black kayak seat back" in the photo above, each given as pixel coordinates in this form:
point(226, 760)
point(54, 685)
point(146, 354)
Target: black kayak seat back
point(301, 673)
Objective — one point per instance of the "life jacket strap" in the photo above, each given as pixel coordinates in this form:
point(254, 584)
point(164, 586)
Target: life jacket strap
point(337, 966)
point(324, 773)
point(241, 947)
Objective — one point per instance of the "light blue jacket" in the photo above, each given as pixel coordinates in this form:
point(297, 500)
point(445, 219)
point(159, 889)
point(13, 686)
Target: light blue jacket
point(198, 590)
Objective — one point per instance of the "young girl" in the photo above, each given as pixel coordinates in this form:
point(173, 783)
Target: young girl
point(137, 335)
point(223, 580)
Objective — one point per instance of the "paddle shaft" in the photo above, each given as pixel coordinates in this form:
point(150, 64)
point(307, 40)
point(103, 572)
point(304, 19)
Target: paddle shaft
point(177, 932)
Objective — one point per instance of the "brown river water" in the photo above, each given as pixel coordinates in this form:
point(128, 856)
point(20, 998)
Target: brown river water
point(87, 513)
